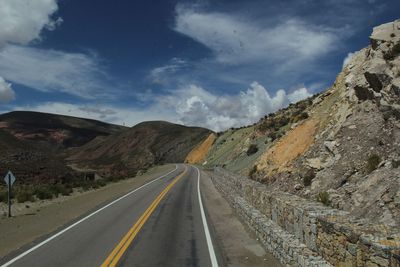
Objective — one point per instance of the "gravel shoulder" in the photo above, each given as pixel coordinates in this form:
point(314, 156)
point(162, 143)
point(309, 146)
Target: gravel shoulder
point(235, 244)
point(34, 220)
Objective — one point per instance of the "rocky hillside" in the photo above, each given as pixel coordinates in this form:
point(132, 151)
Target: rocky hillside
point(141, 146)
point(341, 147)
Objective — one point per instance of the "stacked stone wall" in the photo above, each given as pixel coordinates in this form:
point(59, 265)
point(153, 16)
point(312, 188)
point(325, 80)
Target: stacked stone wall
point(300, 232)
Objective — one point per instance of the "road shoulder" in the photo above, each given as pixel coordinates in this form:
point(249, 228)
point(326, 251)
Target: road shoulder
point(18, 232)
point(234, 243)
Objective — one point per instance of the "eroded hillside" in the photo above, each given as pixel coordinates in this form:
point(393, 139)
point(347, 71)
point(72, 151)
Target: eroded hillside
point(341, 147)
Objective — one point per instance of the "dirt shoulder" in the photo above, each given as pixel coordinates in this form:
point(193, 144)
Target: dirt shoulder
point(45, 217)
point(234, 242)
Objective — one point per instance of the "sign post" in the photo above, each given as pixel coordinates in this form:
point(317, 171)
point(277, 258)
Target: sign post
point(9, 179)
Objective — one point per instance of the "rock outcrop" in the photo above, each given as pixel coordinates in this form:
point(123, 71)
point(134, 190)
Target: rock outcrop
point(350, 159)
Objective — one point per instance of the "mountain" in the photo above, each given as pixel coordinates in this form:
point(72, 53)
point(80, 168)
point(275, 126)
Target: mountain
point(63, 131)
point(343, 144)
point(145, 144)
point(33, 144)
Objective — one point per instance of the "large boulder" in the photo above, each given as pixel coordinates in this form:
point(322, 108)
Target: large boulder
point(388, 32)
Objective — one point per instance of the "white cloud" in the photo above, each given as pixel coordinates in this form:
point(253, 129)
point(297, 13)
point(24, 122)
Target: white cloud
point(49, 70)
point(23, 20)
point(194, 105)
point(160, 75)
point(348, 58)
point(236, 40)
point(6, 92)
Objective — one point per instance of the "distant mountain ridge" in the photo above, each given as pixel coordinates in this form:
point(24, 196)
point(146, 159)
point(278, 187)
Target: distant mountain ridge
point(42, 147)
point(143, 145)
point(65, 131)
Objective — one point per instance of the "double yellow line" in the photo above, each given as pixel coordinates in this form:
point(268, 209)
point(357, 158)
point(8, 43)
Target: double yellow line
point(119, 250)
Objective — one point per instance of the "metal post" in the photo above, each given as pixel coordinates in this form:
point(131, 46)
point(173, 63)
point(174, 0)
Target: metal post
point(9, 195)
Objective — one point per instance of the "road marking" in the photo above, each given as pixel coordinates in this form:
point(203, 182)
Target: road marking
point(211, 251)
point(82, 220)
point(114, 257)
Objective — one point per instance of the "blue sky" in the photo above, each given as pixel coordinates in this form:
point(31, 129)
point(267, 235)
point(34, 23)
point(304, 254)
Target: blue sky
point(215, 64)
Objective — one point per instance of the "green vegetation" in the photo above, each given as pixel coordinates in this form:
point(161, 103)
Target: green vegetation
point(324, 198)
point(62, 189)
point(252, 149)
point(3, 195)
point(299, 117)
point(372, 163)
point(24, 195)
point(43, 192)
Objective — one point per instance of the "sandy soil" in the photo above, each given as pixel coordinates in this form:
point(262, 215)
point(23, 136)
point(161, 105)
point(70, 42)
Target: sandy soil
point(297, 141)
point(34, 220)
point(199, 153)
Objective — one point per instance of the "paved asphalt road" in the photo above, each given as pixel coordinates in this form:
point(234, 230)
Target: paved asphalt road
point(159, 224)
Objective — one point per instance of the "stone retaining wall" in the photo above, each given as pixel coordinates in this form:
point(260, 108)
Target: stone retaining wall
point(304, 233)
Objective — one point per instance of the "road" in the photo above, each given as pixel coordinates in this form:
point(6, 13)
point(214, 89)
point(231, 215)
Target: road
point(161, 223)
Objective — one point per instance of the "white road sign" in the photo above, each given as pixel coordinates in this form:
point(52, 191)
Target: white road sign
point(9, 177)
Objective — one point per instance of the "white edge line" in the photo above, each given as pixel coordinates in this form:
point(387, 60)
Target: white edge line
point(81, 220)
point(211, 251)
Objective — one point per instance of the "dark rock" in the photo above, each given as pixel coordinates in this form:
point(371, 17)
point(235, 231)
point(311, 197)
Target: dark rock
point(374, 81)
point(395, 90)
point(363, 93)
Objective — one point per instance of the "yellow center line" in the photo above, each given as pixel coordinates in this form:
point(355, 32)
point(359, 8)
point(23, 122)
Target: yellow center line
point(125, 242)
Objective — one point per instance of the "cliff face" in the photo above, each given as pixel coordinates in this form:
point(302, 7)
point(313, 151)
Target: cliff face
point(343, 144)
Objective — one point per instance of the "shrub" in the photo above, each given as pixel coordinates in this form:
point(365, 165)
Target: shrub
point(3, 196)
point(252, 171)
point(372, 163)
point(101, 182)
point(308, 177)
point(323, 197)
point(298, 116)
point(63, 189)
point(272, 135)
point(57, 189)
point(252, 149)
point(25, 195)
point(44, 192)
point(86, 186)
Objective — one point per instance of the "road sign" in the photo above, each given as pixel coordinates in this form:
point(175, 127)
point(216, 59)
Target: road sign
point(10, 178)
